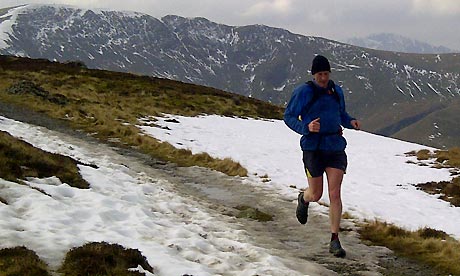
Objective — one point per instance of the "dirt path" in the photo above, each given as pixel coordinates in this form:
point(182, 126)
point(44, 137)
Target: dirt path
point(299, 245)
point(303, 248)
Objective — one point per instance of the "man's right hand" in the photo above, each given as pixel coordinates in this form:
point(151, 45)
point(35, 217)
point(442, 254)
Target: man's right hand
point(314, 125)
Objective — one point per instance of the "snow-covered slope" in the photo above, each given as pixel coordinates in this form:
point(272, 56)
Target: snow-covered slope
point(378, 183)
point(128, 205)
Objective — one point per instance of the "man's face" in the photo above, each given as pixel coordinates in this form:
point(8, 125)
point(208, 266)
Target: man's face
point(322, 78)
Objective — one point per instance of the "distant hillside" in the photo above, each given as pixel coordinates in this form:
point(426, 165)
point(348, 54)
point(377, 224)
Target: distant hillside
point(409, 96)
point(110, 105)
point(398, 43)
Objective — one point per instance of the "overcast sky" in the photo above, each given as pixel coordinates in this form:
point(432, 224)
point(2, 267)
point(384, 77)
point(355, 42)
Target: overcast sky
point(432, 21)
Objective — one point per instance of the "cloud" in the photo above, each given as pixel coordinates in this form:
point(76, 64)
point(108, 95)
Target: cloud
point(436, 7)
point(269, 7)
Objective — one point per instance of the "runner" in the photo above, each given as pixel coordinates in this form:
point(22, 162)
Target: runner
point(317, 112)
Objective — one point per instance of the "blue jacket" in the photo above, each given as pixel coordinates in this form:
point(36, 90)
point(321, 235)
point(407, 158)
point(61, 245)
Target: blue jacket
point(332, 116)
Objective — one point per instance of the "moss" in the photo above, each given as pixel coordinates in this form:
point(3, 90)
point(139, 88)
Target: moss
point(253, 213)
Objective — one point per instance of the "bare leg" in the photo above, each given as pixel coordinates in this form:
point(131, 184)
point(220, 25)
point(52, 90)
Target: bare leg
point(334, 179)
point(315, 189)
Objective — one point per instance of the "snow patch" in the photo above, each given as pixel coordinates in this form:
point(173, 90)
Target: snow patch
point(377, 166)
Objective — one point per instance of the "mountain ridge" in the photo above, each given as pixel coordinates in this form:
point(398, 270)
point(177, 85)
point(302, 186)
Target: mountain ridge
point(398, 43)
point(381, 88)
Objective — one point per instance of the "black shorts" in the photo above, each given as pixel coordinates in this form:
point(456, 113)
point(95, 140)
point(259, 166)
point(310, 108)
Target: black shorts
point(316, 162)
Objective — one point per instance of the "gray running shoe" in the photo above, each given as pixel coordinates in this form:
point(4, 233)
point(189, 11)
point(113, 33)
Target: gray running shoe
point(302, 209)
point(336, 249)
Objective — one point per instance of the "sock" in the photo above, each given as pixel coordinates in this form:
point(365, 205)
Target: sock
point(334, 236)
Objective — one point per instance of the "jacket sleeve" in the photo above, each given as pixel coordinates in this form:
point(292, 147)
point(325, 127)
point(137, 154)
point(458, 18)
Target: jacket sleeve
point(344, 117)
point(293, 113)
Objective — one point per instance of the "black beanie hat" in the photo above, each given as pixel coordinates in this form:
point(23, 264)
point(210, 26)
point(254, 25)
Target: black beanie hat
point(320, 64)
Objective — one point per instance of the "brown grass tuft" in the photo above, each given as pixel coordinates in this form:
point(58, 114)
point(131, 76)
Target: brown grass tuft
point(428, 246)
point(103, 259)
point(21, 261)
point(423, 154)
point(19, 160)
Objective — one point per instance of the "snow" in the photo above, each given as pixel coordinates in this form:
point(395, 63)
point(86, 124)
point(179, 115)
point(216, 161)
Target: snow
point(130, 207)
point(400, 90)
point(378, 184)
point(434, 90)
point(280, 89)
point(6, 26)
point(124, 206)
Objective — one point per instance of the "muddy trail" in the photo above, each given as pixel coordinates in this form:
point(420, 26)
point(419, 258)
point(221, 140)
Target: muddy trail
point(303, 248)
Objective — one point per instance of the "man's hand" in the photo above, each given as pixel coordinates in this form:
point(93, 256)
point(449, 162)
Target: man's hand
point(314, 125)
point(356, 124)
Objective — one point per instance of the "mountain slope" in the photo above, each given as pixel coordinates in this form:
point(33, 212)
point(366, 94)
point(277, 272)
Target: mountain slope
point(398, 43)
point(382, 88)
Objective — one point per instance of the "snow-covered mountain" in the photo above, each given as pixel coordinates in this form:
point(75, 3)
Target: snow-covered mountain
point(395, 94)
point(398, 43)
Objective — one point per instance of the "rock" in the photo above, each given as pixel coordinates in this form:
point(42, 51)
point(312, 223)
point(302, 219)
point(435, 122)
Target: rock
point(29, 87)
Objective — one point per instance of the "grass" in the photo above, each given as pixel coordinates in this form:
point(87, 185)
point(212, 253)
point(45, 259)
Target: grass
point(450, 157)
point(447, 190)
point(103, 259)
point(423, 154)
point(19, 159)
point(109, 104)
point(428, 246)
point(21, 261)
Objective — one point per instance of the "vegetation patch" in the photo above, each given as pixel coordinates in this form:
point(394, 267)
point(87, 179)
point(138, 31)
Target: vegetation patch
point(447, 190)
point(449, 157)
point(253, 213)
point(423, 154)
point(21, 261)
point(19, 159)
point(439, 158)
point(103, 259)
point(426, 246)
point(265, 178)
point(109, 104)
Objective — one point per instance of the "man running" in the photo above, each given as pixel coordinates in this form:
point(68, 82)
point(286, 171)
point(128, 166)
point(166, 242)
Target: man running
point(317, 112)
